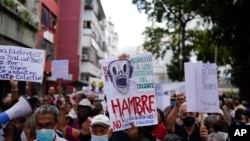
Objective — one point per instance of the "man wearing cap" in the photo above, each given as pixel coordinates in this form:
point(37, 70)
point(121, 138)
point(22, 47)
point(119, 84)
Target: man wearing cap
point(100, 128)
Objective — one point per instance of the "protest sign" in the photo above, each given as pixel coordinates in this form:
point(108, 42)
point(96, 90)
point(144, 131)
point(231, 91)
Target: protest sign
point(159, 95)
point(60, 69)
point(130, 92)
point(201, 85)
point(96, 86)
point(24, 64)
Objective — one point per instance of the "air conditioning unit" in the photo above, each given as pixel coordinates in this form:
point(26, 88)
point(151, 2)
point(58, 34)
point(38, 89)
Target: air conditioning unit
point(85, 57)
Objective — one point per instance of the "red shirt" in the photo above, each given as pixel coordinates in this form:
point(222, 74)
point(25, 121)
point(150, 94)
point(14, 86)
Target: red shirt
point(159, 131)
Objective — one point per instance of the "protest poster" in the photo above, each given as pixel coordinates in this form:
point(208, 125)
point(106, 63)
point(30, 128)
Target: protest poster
point(159, 96)
point(96, 86)
point(201, 85)
point(24, 64)
point(130, 92)
point(60, 69)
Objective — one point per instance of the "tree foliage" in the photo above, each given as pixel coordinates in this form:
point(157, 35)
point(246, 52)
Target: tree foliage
point(229, 33)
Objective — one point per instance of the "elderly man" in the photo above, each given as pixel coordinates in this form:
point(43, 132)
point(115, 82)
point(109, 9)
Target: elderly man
point(46, 119)
point(189, 131)
point(100, 128)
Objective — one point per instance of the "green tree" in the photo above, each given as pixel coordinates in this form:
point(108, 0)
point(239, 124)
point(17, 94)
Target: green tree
point(230, 18)
point(175, 14)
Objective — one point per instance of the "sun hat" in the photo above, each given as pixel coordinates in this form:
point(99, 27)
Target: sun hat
point(86, 102)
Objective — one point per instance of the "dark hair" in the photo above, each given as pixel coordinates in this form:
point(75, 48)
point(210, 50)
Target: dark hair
point(161, 115)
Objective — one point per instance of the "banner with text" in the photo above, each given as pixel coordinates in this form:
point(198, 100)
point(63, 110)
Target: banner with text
point(202, 93)
point(130, 92)
point(96, 86)
point(24, 64)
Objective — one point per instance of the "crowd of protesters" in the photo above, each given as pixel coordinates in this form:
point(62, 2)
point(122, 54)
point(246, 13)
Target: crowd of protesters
point(58, 117)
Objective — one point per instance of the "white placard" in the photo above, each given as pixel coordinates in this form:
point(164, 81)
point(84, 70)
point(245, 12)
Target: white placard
point(201, 85)
point(60, 69)
point(96, 86)
point(24, 64)
point(130, 92)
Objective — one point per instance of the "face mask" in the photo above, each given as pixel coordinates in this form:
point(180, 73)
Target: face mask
point(223, 135)
point(45, 134)
point(188, 121)
point(99, 138)
point(172, 103)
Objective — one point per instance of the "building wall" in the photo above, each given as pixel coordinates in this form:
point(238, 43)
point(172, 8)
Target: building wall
point(69, 34)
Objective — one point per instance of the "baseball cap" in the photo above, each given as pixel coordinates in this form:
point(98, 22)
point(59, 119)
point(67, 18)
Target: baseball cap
point(100, 120)
point(86, 102)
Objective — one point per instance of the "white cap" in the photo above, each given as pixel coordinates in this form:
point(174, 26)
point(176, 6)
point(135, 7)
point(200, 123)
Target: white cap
point(100, 120)
point(86, 102)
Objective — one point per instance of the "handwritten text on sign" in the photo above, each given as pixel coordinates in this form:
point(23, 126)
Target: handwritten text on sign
point(130, 92)
point(22, 63)
point(60, 69)
point(202, 93)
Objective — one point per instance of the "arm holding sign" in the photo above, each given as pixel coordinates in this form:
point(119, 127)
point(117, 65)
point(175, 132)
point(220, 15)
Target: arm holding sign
point(14, 89)
point(171, 118)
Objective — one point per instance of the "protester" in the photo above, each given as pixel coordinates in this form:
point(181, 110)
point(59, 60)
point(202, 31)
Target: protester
point(46, 118)
point(100, 128)
point(189, 131)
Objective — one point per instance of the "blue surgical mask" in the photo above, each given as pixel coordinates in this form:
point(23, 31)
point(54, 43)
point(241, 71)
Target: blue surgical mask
point(45, 134)
point(99, 138)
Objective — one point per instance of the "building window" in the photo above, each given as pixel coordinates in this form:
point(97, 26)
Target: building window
point(86, 24)
point(52, 24)
point(45, 16)
point(49, 47)
point(48, 19)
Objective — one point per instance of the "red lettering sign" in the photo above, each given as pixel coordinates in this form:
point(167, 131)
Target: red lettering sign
point(138, 104)
point(117, 124)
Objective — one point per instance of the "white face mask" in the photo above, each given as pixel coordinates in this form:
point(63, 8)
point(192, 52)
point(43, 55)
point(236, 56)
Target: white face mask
point(99, 138)
point(223, 135)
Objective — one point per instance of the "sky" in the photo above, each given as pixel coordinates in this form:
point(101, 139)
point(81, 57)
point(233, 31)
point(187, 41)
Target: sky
point(129, 23)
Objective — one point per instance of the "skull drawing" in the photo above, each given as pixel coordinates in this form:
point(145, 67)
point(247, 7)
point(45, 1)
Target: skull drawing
point(119, 74)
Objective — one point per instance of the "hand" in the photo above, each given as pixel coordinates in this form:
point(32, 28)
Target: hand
point(13, 83)
point(132, 131)
point(203, 133)
point(123, 56)
point(85, 128)
point(180, 98)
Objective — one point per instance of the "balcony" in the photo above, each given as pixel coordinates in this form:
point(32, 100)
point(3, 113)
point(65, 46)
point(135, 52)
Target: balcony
point(90, 69)
point(15, 24)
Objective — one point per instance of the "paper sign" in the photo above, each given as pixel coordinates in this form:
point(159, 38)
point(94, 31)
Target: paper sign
point(130, 91)
point(96, 86)
point(159, 96)
point(60, 69)
point(201, 85)
point(24, 64)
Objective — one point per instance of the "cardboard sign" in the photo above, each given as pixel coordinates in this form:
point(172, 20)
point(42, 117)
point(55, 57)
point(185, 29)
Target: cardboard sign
point(130, 92)
point(24, 64)
point(201, 85)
